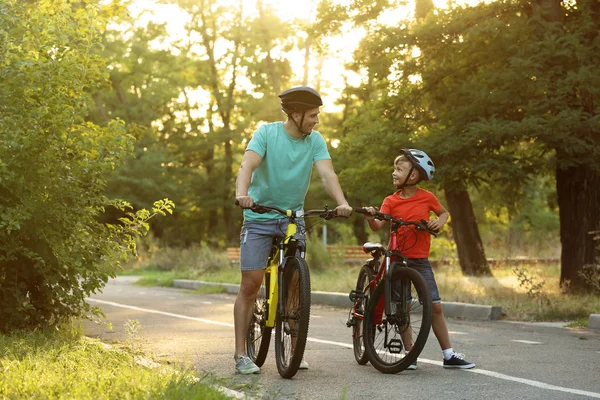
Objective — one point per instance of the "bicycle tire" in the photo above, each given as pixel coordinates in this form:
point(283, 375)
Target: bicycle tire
point(387, 351)
point(258, 337)
point(365, 276)
point(291, 327)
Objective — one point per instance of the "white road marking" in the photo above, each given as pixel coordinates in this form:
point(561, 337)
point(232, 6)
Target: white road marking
point(526, 341)
point(479, 371)
point(457, 333)
point(168, 314)
point(207, 302)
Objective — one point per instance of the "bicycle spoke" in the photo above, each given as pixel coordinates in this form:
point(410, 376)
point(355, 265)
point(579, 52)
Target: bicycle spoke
point(398, 338)
point(292, 324)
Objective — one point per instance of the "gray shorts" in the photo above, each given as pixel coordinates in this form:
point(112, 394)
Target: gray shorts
point(423, 266)
point(256, 240)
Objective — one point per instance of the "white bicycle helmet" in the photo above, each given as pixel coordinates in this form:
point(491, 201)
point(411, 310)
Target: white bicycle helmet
point(421, 161)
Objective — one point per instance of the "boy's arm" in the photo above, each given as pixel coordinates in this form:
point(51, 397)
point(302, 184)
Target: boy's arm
point(440, 221)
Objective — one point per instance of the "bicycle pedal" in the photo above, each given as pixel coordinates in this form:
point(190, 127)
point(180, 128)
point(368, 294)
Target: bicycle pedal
point(395, 346)
point(356, 295)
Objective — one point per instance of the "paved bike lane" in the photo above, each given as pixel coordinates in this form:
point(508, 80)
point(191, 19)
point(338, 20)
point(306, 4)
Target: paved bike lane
point(198, 330)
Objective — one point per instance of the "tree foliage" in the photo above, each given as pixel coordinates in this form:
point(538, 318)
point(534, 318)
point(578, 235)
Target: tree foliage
point(53, 166)
point(498, 94)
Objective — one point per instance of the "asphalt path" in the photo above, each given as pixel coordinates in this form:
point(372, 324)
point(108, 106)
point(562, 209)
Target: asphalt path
point(514, 360)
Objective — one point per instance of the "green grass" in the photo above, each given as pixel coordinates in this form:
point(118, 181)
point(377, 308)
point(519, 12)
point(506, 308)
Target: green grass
point(64, 364)
point(537, 297)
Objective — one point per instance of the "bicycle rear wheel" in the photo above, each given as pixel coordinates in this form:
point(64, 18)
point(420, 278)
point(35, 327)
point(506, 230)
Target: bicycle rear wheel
point(291, 328)
point(259, 335)
point(365, 276)
point(397, 339)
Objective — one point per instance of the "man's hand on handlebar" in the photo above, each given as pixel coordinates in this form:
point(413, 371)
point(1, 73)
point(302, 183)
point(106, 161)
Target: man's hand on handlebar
point(244, 201)
point(343, 210)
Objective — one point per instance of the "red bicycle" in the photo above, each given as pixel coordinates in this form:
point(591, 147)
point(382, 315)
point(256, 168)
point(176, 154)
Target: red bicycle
point(391, 316)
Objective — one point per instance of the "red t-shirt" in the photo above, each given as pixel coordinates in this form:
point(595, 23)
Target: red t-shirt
point(414, 243)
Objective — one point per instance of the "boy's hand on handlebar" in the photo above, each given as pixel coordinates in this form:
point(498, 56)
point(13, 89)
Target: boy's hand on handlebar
point(372, 211)
point(343, 210)
point(244, 201)
point(435, 224)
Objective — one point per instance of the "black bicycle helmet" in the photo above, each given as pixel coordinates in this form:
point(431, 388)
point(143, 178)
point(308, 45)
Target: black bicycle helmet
point(300, 98)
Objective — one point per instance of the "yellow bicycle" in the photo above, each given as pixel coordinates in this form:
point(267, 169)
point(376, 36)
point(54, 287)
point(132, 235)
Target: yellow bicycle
point(283, 300)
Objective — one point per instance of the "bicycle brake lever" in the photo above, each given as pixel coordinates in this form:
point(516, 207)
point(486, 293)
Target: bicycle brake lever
point(329, 214)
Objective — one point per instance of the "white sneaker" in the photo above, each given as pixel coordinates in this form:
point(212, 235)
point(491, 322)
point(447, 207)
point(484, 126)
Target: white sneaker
point(245, 366)
point(303, 365)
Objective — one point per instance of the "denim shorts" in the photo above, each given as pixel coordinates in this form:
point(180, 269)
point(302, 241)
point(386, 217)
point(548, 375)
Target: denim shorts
point(256, 240)
point(424, 267)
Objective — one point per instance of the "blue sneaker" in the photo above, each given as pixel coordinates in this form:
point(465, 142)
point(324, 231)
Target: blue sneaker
point(458, 361)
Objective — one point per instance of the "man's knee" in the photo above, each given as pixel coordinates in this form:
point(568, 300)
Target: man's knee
point(438, 309)
point(251, 281)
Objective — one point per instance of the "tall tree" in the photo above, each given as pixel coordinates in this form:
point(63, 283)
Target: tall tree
point(573, 103)
point(516, 76)
point(471, 254)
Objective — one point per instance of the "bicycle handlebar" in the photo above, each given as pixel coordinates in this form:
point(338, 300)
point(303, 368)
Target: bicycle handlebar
point(326, 214)
point(422, 225)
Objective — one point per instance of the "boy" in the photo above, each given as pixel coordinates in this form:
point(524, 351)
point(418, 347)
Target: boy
point(411, 203)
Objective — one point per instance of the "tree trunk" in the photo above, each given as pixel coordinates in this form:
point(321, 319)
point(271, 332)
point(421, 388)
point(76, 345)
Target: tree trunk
point(578, 190)
point(232, 232)
point(307, 45)
point(273, 75)
point(471, 254)
point(422, 8)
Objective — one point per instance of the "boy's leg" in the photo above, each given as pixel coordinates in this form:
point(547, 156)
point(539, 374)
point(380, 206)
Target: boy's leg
point(440, 329)
point(438, 321)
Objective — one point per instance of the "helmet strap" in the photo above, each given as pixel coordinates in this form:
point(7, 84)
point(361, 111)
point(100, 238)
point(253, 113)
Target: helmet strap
point(412, 168)
point(299, 126)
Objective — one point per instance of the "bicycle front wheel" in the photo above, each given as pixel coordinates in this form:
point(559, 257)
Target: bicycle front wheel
point(259, 334)
point(365, 276)
point(397, 339)
point(291, 328)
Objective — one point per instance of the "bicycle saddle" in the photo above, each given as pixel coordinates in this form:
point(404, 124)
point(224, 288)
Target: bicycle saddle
point(370, 246)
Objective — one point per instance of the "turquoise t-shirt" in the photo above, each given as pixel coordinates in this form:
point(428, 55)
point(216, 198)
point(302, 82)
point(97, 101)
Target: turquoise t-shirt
point(283, 176)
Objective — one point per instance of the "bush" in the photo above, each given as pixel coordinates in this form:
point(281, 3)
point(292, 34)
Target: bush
point(317, 255)
point(53, 251)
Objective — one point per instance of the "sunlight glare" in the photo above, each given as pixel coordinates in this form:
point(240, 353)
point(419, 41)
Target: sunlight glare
point(333, 76)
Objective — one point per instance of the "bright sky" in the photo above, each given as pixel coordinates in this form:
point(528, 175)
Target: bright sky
point(341, 47)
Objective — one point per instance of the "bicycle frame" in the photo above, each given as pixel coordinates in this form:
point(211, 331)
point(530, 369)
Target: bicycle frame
point(274, 269)
point(288, 312)
point(384, 272)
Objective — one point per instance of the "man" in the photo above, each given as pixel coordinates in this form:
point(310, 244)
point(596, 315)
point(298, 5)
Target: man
point(275, 171)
